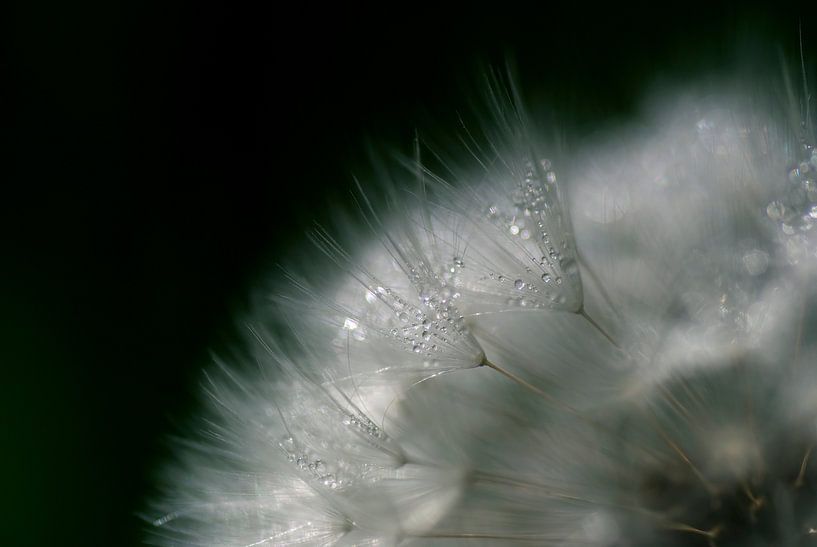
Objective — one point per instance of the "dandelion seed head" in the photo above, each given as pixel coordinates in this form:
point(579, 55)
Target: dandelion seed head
point(612, 348)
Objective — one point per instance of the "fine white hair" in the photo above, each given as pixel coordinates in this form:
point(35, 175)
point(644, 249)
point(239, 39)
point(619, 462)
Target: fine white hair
point(613, 346)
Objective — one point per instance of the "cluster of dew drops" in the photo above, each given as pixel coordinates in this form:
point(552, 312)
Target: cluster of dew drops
point(533, 201)
point(334, 477)
point(426, 329)
point(311, 465)
point(796, 212)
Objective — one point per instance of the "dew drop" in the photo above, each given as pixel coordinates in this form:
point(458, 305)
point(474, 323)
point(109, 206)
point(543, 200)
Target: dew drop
point(756, 262)
point(775, 210)
point(519, 284)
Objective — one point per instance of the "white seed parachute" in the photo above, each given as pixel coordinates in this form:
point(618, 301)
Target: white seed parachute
point(611, 348)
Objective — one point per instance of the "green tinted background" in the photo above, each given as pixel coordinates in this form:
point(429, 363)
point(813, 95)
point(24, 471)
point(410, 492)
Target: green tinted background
point(160, 156)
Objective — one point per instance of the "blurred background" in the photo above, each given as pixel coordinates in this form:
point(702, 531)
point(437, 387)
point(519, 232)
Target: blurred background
point(159, 158)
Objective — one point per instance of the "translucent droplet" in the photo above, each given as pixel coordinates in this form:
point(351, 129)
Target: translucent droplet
point(546, 277)
point(425, 295)
point(514, 229)
point(458, 262)
point(525, 234)
point(519, 284)
point(756, 262)
point(775, 210)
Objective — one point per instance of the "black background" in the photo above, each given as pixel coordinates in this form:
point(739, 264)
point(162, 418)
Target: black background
point(159, 156)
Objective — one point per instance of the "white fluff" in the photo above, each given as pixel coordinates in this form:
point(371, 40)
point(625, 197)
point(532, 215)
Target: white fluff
point(617, 349)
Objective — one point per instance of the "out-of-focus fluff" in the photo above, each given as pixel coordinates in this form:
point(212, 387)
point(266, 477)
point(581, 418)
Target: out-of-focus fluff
point(612, 348)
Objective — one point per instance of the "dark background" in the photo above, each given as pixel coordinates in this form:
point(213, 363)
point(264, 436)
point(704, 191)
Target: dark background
point(159, 156)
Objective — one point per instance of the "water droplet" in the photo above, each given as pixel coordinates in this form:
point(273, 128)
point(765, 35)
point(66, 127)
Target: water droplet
point(458, 262)
point(514, 229)
point(525, 234)
point(756, 262)
point(519, 284)
point(546, 277)
point(775, 210)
